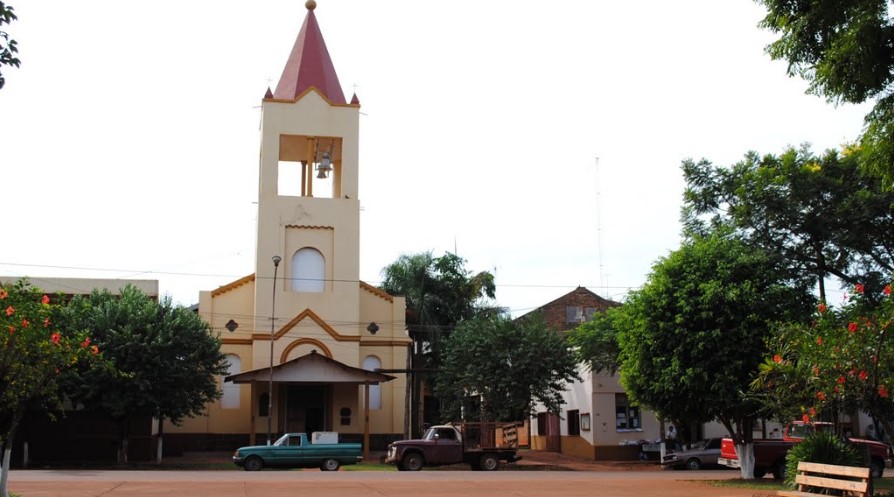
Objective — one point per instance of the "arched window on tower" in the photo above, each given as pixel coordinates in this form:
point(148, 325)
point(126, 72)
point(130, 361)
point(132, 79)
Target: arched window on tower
point(308, 271)
point(371, 363)
point(231, 391)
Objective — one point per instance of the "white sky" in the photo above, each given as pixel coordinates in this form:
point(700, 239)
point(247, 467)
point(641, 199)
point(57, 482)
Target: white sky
point(129, 136)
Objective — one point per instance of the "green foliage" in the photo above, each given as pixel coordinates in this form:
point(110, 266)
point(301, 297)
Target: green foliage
point(841, 362)
point(164, 361)
point(495, 369)
point(691, 338)
point(8, 47)
point(821, 215)
point(440, 293)
point(36, 355)
point(845, 50)
point(823, 446)
point(596, 341)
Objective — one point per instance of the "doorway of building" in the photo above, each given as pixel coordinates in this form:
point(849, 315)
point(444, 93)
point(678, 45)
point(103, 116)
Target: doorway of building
point(306, 408)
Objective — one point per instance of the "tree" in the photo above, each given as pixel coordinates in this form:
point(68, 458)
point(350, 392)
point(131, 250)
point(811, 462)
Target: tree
point(440, 292)
point(8, 47)
point(496, 369)
point(164, 361)
point(841, 362)
point(845, 50)
point(823, 214)
point(595, 342)
point(692, 337)
point(35, 356)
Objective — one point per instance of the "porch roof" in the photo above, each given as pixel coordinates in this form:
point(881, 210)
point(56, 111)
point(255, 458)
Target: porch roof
point(311, 368)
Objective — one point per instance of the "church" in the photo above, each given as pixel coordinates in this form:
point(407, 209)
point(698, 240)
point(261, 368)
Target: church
point(306, 341)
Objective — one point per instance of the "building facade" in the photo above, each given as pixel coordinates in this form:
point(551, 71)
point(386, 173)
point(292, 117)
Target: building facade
point(303, 335)
point(597, 420)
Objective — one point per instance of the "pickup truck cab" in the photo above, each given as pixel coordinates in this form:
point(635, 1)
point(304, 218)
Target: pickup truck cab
point(770, 453)
point(480, 445)
point(293, 450)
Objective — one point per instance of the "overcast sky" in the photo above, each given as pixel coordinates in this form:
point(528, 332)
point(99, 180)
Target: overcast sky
point(541, 141)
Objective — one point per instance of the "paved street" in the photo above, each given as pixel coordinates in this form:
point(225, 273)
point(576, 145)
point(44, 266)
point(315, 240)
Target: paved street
point(311, 483)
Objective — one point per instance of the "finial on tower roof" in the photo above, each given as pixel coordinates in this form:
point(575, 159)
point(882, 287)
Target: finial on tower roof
point(310, 4)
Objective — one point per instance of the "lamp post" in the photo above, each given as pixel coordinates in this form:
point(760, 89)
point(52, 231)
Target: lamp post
point(276, 260)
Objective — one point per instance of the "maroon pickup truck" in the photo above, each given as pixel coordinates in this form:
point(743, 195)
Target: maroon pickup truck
point(769, 453)
point(480, 445)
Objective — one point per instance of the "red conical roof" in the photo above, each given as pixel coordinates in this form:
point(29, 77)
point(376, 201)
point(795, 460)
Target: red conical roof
point(309, 65)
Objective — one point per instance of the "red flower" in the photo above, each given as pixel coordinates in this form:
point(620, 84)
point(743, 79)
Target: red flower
point(85, 343)
point(841, 380)
point(863, 375)
point(887, 291)
point(858, 288)
point(777, 358)
point(12, 329)
point(46, 322)
point(10, 311)
point(821, 396)
point(55, 338)
point(3, 294)
point(45, 300)
point(805, 418)
point(819, 341)
point(812, 412)
point(852, 327)
point(883, 391)
point(94, 350)
point(25, 323)
point(822, 308)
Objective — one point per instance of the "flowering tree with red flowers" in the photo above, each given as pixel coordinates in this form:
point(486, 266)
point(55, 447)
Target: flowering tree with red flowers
point(841, 363)
point(34, 356)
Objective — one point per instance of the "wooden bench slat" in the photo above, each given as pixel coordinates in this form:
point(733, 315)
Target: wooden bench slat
point(832, 469)
point(822, 481)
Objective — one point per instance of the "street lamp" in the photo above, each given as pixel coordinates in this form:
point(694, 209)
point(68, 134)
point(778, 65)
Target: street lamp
point(276, 261)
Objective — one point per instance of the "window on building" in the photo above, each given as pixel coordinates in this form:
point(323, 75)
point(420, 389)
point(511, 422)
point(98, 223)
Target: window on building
point(308, 271)
point(626, 415)
point(573, 422)
point(231, 391)
point(371, 363)
point(541, 424)
point(345, 414)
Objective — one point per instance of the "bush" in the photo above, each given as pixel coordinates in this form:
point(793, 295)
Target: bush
point(822, 447)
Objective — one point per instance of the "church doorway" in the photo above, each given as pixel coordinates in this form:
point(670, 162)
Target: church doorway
point(306, 408)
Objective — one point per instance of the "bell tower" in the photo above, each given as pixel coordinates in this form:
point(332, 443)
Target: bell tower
point(308, 210)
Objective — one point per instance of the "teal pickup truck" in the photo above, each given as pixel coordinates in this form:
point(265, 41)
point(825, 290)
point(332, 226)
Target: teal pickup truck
point(294, 450)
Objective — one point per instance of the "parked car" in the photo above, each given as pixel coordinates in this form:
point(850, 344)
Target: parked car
point(294, 450)
point(702, 454)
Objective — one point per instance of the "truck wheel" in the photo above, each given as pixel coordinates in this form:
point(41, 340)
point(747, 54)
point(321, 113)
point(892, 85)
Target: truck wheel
point(489, 462)
point(330, 465)
point(412, 462)
point(253, 463)
point(694, 464)
point(779, 470)
point(876, 468)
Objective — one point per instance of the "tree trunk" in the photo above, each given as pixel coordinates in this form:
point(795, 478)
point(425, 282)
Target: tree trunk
point(7, 454)
point(159, 449)
point(745, 453)
point(123, 439)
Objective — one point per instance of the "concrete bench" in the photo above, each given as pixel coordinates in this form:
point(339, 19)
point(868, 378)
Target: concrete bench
point(852, 480)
